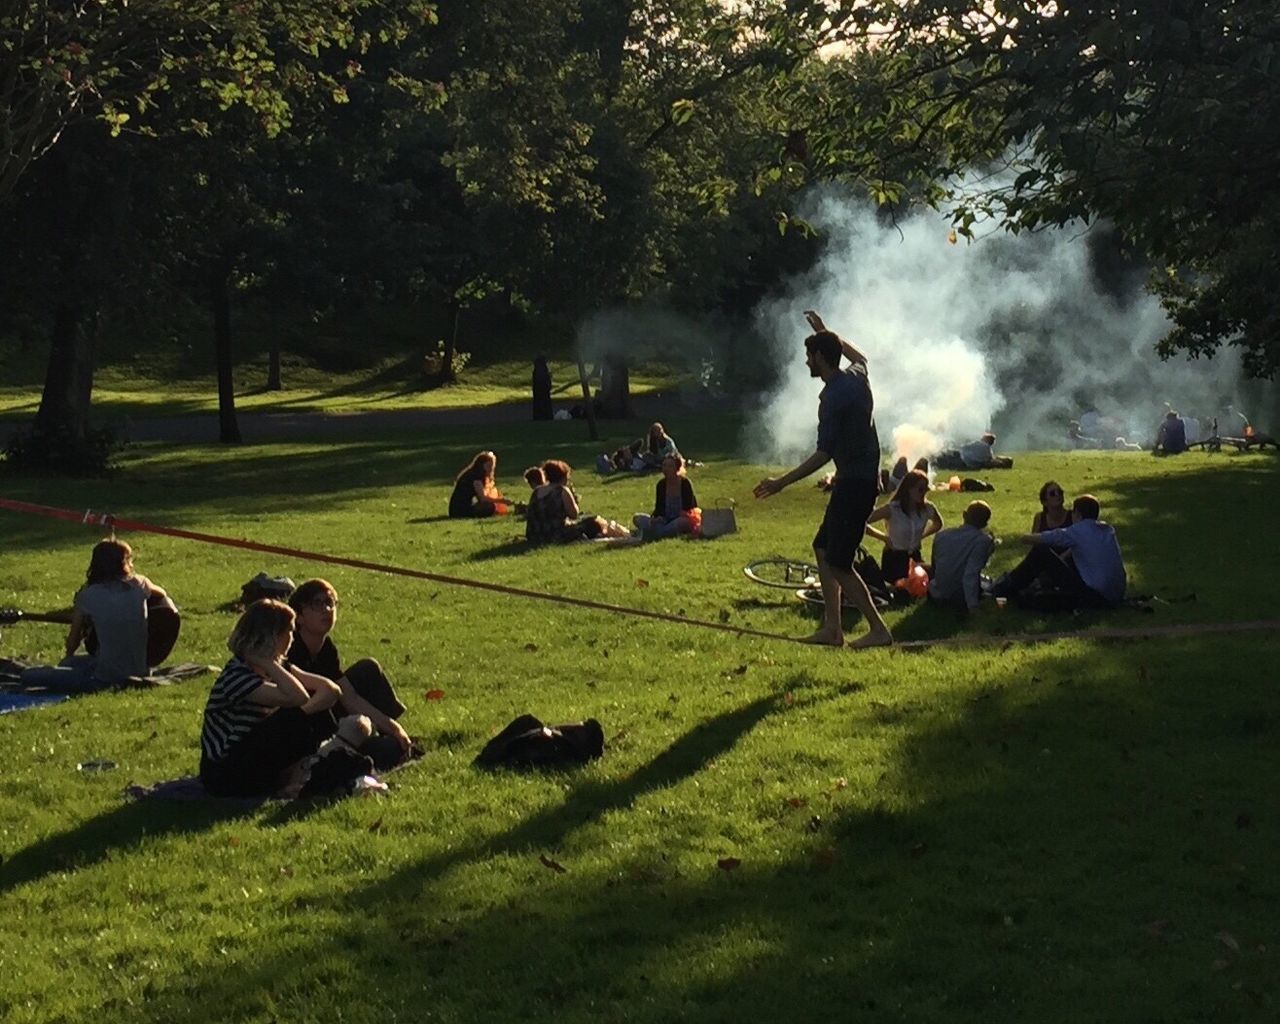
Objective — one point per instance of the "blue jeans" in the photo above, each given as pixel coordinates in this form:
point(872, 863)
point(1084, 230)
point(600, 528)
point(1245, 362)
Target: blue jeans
point(73, 674)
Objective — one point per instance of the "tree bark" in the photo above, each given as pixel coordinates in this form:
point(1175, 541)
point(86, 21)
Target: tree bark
point(273, 368)
point(220, 301)
point(615, 388)
point(592, 430)
point(447, 376)
point(68, 380)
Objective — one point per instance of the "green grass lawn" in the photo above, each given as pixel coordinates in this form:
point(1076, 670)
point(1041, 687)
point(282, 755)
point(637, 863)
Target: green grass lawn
point(1071, 831)
point(137, 389)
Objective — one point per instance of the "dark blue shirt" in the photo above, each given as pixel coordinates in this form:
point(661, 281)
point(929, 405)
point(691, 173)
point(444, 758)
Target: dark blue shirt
point(847, 424)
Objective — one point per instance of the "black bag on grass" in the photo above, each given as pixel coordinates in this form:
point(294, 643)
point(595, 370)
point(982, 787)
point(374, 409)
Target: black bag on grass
point(527, 743)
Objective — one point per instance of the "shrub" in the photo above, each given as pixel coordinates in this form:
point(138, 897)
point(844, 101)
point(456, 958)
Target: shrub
point(62, 452)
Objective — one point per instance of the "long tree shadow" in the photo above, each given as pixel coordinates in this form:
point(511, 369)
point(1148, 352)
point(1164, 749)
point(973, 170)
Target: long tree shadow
point(113, 832)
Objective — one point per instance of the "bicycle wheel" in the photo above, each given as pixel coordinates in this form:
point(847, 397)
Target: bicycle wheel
point(782, 572)
point(813, 595)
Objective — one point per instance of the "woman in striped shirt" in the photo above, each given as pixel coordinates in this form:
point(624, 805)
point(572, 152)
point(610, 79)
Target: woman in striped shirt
point(262, 719)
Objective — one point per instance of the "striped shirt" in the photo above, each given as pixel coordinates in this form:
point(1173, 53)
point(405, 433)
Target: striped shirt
point(229, 715)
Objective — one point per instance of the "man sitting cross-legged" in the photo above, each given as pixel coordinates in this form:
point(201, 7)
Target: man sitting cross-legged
point(1093, 578)
point(365, 688)
point(959, 556)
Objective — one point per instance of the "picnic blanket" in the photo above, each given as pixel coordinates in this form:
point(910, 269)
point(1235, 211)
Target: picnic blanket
point(15, 697)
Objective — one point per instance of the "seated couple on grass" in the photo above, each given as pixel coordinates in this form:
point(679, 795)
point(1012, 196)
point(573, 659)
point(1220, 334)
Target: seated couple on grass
point(643, 455)
point(126, 623)
point(283, 699)
point(554, 516)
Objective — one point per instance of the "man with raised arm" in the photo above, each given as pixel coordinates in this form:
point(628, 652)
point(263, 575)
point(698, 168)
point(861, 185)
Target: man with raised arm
point(847, 435)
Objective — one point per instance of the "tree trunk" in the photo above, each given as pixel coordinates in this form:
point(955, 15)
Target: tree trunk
point(68, 380)
point(592, 431)
point(273, 368)
point(220, 300)
point(615, 388)
point(447, 376)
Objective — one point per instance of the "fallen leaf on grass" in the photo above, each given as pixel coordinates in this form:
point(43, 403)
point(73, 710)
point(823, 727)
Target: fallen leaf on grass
point(642, 583)
point(841, 783)
point(376, 825)
point(797, 801)
point(554, 865)
point(233, 840)
point(788, 698)
point(531, 648)
point(728, 863)
point(435, 695)
point(1228, 940)
point(741, 670)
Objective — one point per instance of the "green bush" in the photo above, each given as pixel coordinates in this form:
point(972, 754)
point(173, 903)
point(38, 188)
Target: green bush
point(62, 451)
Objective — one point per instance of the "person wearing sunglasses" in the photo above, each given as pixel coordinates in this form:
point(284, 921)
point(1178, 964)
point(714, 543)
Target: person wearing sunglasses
point(1053, 514)
point(365, 687)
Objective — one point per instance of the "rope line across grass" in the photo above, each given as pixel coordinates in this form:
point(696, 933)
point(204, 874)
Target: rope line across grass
point(91, 518)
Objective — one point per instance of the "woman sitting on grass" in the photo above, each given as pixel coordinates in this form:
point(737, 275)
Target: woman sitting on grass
point(675, 508)
point(365, 687)
point(554, 514)
point(911, 518)
point(112, 608)
point(262, 718)
point(658, 446)
point(1053, 514)
point(475, 495)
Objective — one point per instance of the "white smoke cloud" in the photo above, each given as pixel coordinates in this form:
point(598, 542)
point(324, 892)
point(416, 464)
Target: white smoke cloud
point(1009, 332)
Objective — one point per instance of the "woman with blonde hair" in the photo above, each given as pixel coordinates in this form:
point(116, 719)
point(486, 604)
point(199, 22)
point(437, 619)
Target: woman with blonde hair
point(262, 718)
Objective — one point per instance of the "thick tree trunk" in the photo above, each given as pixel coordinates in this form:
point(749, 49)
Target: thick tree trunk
point(68, 380)
point(220, 301)
point(615, 388)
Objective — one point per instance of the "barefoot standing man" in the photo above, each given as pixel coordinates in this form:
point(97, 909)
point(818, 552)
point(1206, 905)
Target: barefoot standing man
point(847, 434)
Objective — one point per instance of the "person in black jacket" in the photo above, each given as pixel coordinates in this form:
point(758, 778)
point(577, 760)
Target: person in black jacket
point(675, 508)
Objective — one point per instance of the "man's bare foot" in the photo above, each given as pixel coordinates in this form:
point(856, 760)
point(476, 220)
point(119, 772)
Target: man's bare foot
point(824, 638)
point(881, 638)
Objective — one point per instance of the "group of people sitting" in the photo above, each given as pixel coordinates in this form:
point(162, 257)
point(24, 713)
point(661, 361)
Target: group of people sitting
point(552, 511)
point(643, 455)
point(1074, 561)
point(1175, 434)
point(283, 701)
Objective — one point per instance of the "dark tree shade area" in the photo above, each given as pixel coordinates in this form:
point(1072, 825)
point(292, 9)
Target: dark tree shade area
point(566, 156)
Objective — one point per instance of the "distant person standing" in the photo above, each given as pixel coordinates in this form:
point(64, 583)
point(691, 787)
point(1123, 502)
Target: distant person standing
point(542, 409)
point(847, 435)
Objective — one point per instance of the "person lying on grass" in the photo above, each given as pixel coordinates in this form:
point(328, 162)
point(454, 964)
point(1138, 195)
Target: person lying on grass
point(910, 518)
point(365, 688)
point(1093, 578)
point(112, 605)
point(475, 494)
point(675, 508)
point(554, 516)
point(263, 719)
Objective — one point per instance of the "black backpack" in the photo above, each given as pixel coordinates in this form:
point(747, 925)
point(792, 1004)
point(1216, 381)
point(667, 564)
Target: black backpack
point(528, 743)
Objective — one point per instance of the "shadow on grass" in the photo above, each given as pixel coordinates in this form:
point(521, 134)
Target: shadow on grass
point(114, 832)
point(514, 546)
point(1067, 839)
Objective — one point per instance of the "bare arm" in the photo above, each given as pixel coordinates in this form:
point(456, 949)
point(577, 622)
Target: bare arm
point(934, 524)
point(322, 693)
point(850, 352)
point(570, 503)
point(878, 516)
point(772, 485)
point(75, 633)
point(279, 688)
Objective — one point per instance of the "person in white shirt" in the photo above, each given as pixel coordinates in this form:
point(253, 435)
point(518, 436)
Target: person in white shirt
point(1093, 578)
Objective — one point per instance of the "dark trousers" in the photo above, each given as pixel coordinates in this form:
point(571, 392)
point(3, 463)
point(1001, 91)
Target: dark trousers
point(1070, 591)
point(370, 682)
point(255, 765)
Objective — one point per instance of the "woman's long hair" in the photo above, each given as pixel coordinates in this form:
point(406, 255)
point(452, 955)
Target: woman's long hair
point(909, 481)
point(474, 464)
point(556, 471)
point(256, 632)
point(657, 433)
point(111, 561)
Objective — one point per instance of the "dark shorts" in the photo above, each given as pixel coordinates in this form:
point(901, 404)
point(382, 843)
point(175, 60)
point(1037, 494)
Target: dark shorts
point(851, 502)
